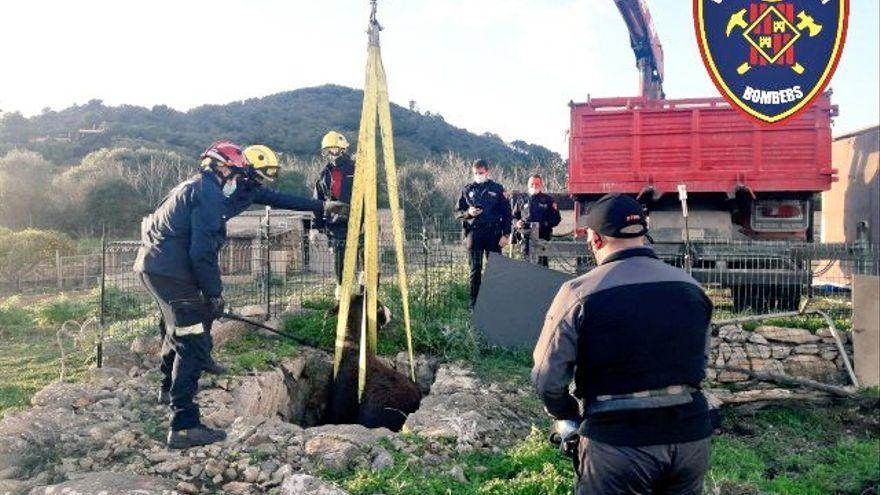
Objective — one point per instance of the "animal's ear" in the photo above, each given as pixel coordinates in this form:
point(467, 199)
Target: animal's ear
point(383, 315)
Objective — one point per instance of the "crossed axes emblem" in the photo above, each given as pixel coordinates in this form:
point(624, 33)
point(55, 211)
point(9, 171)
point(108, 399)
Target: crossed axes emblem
point(805, 23)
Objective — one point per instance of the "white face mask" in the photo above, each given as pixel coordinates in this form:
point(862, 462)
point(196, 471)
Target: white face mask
point(480, 178)
point(533, 191)
point(229, 188)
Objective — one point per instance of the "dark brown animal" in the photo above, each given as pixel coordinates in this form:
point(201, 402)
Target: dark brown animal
point(388, 398)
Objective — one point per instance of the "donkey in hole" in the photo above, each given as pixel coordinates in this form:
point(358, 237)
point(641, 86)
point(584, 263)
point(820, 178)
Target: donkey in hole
point(389, 396)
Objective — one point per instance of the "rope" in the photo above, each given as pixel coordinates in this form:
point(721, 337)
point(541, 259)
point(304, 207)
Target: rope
point(376, 110)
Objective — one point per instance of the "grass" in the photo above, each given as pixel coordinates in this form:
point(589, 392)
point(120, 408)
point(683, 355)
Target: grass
point(29, 360)
point(529, 467)
point(807, 450)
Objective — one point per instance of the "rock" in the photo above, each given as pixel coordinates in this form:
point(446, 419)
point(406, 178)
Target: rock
point(724, 351)
point(106, 377)
point(458, 473)
point(250, 474)
point(179, 465)
point(69, 395)
point(810, 366)
point(222, 418)
point(237, 488)
point(826, 335)
point(12, 487)
point(778, 351)
point(757, 351)
point(226, 331)
point(789, 335)
point(187, 488)
point(214, 468)
point(757, 338)
point(119, 356)
point(302, 484)
point(146, 346)
point(828, 352)
point(806, 349)
point(382, 460)
point(426, 369)
point(332, 453)
point(264, 394)
point(733, 333)
point(104, 483)
point(230, 473)
point(767, 366)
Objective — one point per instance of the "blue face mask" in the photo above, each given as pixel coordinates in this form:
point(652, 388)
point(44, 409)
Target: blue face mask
point(229, 188)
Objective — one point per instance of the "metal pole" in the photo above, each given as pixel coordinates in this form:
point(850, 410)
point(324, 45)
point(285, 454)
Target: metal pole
point(268, 265)
point(99, 342)
point(58, 270)
point(682, 196)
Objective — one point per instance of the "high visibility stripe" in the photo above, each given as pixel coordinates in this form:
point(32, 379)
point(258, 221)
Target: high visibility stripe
point(190, 330)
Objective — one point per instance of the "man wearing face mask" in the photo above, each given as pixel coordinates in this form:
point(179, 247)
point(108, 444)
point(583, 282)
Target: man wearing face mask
point(178, 263)
point(335, 183)
point(633, 335)
point(484, 210)
point(537, 210)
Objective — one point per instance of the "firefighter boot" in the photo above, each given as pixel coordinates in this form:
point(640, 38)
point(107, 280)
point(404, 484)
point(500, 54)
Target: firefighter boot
point(164, 398)
point(193, 437)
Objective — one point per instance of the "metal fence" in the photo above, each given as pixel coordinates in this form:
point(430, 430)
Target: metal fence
point(285, 271)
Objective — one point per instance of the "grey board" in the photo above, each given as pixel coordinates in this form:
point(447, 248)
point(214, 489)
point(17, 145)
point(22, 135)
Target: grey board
point(514, 297)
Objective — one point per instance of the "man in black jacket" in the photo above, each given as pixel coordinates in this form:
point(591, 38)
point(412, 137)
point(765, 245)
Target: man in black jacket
point(484, 210)
point(335, 182)
point(178, 263)
point(537, 210)
point(632, 334)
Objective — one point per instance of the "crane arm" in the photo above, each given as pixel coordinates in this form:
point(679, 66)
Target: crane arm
point(646, 46)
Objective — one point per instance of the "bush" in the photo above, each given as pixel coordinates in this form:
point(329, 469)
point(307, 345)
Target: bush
point(21, 251)
point(120, 305)
point(13, 314)
point(63, 308)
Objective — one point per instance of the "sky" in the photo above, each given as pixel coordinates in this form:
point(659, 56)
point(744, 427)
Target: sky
point(504, 66)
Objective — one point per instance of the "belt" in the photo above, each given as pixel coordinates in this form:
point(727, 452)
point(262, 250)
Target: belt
point(673, 395)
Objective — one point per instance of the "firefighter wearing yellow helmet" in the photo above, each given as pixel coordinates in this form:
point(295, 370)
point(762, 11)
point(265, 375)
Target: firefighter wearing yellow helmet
point(262, 167)
point(263, 162)
point(334, 183)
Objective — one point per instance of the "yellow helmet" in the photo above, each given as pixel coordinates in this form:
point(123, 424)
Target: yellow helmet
point(263, 161)
point(334, 139)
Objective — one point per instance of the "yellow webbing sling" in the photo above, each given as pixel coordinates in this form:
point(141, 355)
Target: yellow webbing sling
point(376, 108)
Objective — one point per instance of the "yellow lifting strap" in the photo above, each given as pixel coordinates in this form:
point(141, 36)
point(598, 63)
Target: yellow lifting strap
point(376, 109)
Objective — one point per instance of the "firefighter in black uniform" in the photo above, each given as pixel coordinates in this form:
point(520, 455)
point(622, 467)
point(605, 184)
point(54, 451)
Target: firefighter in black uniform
point(484, 210)
point(537, 210)
point(335, 182)
point(632, 335)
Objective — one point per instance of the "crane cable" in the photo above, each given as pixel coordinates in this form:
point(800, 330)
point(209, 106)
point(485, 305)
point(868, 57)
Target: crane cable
point(376, 109)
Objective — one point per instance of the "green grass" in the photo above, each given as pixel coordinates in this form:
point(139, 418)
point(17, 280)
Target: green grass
point(29, 360)
point(529, 467)
point(809, 450)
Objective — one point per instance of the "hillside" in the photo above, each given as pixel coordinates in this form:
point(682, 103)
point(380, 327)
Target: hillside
point(292, 122)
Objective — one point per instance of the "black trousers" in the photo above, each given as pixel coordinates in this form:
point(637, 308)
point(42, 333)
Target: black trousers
point(480, 242)
point(186, 344)
point(674, 469)
point(337, 244)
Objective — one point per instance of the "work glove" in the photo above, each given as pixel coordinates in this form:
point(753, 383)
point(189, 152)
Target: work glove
point(216, 305)
point(564, 434)
point(337, 208)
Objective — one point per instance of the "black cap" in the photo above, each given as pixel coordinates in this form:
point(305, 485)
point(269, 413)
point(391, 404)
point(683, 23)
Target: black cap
point(617, 215)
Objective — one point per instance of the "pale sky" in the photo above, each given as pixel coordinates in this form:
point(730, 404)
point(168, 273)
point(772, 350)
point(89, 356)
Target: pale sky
point(503, 66)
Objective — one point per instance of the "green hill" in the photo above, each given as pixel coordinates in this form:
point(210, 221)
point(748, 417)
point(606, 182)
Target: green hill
point(291, 122)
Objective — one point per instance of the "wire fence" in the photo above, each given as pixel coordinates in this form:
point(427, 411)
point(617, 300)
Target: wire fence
point(278, 270)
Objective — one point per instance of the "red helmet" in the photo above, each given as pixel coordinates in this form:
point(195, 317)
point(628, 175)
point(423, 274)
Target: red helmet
point(226, 153)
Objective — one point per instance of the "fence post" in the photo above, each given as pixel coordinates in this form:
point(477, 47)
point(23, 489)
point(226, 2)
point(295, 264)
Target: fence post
point(58, 270)
point(425, 271)
point(268, 277)
point(99, 342)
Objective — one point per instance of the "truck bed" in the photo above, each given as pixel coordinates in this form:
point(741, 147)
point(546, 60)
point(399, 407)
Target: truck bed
point(630, 145)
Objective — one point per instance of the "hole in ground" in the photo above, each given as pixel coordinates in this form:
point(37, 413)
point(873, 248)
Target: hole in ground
point(298, 391)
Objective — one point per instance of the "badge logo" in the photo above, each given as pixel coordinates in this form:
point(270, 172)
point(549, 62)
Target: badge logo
point(771, 58)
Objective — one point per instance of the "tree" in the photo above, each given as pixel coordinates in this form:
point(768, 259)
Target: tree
point(116, 204)
point(25, 189)
point(22, 251)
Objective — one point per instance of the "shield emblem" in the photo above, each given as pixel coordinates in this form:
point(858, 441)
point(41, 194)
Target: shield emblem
point(771, 58)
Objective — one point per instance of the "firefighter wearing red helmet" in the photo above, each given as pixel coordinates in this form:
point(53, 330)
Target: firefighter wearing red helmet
point(178, 264)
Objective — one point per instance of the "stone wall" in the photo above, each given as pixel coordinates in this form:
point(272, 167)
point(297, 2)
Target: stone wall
point(789, 351)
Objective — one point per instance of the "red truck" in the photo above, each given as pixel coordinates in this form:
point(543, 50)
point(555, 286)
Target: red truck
point(744, 180)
